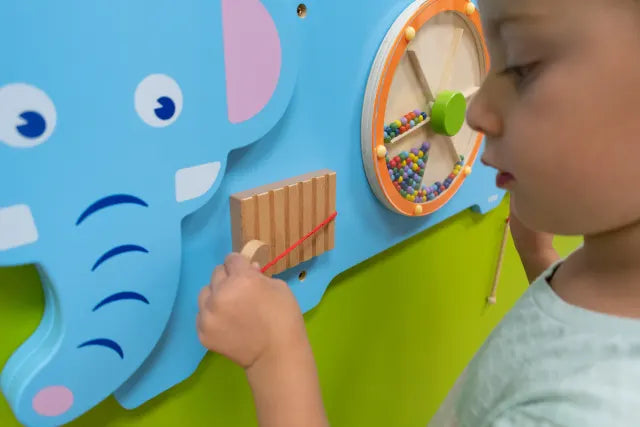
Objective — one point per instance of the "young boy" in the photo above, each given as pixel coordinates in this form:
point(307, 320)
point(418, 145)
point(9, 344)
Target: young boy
point(559, 110)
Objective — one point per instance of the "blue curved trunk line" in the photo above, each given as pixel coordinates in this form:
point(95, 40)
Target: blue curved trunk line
point(104, 342)
point(121, 296)
point(118, 250)
point(109, 201)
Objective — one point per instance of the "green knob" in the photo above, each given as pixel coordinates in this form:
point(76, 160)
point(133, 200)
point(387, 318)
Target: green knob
point(448, 113)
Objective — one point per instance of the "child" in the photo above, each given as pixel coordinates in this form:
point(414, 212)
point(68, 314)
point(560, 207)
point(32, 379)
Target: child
point(559, 110)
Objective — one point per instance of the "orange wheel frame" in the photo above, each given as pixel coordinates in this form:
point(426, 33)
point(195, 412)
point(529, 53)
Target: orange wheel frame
point(427, 11)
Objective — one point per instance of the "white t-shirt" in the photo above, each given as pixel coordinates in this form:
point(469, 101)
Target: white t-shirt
point(549, 363)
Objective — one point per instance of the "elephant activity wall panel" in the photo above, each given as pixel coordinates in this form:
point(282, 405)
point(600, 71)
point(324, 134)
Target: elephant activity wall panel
point(127, 128)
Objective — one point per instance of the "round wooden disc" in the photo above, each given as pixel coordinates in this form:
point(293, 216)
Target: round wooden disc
point(256, 251)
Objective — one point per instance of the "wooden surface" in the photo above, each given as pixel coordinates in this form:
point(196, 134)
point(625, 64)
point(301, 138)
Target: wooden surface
point(281, 213)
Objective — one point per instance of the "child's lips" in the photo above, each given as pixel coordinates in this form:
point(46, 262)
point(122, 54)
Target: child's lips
point(503, 179)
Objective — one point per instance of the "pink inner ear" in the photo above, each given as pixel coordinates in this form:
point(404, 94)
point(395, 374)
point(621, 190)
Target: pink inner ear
point(252, 56)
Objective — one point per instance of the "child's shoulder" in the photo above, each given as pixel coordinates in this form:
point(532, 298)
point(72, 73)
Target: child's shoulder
point(546, 350)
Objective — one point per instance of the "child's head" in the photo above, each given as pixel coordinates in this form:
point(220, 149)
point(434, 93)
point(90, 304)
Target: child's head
point(561, 111)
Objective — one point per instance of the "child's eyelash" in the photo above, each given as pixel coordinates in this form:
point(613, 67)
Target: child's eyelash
point(520, 72)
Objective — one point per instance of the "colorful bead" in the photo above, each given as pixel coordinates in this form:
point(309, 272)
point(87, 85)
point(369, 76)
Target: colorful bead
point(404, 124)
point(469, 9)
point(407, 168)
point(410, 33)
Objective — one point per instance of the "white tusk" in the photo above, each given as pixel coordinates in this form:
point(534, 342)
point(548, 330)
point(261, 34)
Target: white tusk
point(17, 227)
point(195, 181)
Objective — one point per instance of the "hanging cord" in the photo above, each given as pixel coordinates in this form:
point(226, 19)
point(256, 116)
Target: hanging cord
point(299, 242)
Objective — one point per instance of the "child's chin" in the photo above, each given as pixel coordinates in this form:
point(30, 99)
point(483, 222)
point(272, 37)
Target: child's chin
point(529, 212)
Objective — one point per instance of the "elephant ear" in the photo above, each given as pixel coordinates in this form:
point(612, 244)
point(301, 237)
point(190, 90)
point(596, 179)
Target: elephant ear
point(261, 62)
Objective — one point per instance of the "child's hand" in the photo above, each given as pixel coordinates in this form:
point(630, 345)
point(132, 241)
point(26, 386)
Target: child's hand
point(256, 322)
point(534, 247)
point(247, 316)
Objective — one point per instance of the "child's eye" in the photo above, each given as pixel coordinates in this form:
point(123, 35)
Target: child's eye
point(27, 115)
point(158, 100)
point(521, 73)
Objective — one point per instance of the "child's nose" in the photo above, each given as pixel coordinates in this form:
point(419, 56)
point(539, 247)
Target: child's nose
point(482, 116)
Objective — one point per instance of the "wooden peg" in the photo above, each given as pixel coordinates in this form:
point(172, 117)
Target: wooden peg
point(419, 72)
point(256, 251)
point(492, 299)
point(451, 56)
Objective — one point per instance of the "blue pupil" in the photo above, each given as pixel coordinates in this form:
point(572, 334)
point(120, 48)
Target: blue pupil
point(35, 125)
point(167, 109)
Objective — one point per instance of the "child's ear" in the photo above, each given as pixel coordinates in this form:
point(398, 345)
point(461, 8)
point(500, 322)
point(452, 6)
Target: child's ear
point(261, 61)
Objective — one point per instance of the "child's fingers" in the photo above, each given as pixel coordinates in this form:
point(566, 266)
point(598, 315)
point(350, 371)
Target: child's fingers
point(218, 276)
point(201, 328)
point(236, 264)
point(203, 298)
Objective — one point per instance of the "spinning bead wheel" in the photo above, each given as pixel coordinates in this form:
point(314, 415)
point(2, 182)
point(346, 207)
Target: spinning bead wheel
point(417, 148)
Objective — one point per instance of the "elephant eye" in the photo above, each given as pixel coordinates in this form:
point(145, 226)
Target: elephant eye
point(158, 100)
point(27, 116)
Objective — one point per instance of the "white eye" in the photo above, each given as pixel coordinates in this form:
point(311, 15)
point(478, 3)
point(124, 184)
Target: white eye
point(27, 116)
point(158, 100)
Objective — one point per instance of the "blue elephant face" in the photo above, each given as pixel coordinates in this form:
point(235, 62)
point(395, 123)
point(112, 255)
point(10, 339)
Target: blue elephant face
point(116, 119)
point(113, 94)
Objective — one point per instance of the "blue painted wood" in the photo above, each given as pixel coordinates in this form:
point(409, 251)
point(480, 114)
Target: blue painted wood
point(88, 58)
